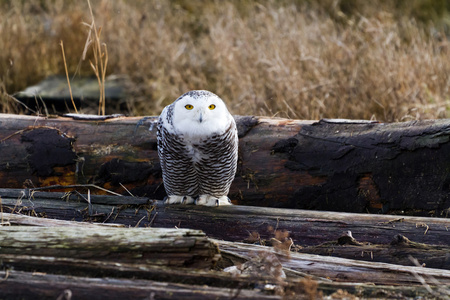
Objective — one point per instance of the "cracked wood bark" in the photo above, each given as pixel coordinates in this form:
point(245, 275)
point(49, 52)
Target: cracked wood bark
point(318, 232)
point(338, 165)
point(58, 247)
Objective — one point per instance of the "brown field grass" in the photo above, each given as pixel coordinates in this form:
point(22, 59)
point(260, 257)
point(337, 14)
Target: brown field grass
point(381, 60)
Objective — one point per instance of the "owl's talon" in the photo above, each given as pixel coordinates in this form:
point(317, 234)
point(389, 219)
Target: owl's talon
point(173, 199)
point(224, 200)
point(209, 200)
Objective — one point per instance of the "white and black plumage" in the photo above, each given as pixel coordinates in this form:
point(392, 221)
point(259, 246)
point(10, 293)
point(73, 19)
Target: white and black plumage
point(198, 149)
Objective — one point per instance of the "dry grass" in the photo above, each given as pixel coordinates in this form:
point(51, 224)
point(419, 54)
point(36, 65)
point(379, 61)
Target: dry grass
point(298, 59)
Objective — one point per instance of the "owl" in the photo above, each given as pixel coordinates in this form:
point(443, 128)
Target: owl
point(198, 149)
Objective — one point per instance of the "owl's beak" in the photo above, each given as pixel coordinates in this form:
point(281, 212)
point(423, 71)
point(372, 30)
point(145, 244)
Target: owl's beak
point(200, 118)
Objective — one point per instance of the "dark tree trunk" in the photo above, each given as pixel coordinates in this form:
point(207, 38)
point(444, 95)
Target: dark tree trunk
point(336, 165)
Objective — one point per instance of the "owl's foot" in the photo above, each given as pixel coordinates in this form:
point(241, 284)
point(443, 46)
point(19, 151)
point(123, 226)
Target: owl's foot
point(209, 200)
point(173, 199)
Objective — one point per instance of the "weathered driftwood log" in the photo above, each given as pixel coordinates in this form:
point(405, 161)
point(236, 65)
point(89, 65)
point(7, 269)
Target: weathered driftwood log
point(44, 248)
point(26, 285)
point(333, 165)
point(7, 219)
point(378, 237)
point(399, 251)
point(54, 272)
point(339, 269)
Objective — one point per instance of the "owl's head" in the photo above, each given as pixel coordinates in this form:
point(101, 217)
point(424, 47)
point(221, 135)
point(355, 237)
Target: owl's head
point(200, 112)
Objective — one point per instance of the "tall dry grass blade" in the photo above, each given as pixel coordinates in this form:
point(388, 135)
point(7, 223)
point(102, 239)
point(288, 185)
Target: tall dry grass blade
point(100, 58)
point(19, 103)
point(67, 76)
point(1, 211)
point(104, 77)
point(38, 99)
point(99, 66)
point(88, 39)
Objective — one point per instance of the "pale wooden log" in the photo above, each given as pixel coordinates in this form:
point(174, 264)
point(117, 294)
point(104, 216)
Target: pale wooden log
point(341, 269)
point(147, 246)
point(337, 165)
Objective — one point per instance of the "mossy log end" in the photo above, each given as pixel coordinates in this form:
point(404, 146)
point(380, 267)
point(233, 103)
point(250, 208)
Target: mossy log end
point(334, 165)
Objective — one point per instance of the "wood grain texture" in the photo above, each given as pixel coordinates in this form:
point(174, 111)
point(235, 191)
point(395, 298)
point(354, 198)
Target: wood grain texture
point(49, 248)
point(340, 269)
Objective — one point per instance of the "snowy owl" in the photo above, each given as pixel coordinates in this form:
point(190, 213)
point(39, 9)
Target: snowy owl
point(198, 149)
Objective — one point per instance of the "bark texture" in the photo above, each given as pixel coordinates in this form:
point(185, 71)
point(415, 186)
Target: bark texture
point(337, 165)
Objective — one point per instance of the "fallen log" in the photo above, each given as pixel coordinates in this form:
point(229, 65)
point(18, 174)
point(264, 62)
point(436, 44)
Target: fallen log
point(399, 251)
point(7, 219)
point(315, 232)
point(29, 249)
point(43, 248)
point(27, 285)
point(341, 269)
point(333, 165)
point(80, 276)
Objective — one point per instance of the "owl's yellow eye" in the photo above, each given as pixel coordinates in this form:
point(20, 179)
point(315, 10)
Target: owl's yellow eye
point(189, 107)
point(212, 106)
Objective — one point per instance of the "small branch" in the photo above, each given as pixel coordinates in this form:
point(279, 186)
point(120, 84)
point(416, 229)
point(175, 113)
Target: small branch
point(126, 189)
point(139, 222)
point(153, 219)
point(51, 187)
